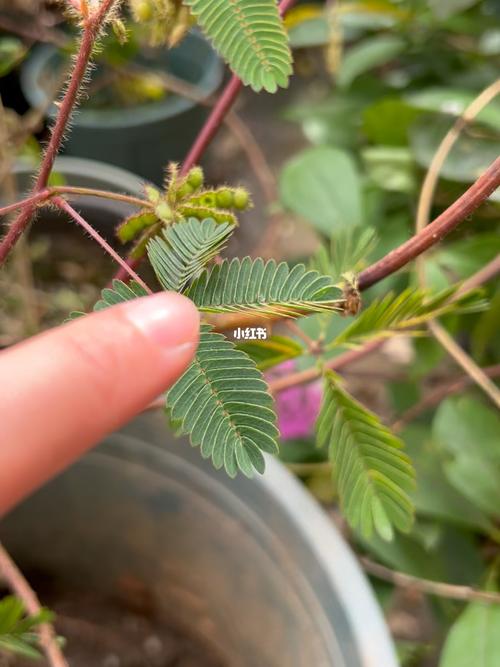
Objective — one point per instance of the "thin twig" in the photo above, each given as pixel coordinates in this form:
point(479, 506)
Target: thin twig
point(310, 374)
point(434, 397)
point(427, 586)
point(65, 206)
point(474, 371)
point(18, 584)
point(423, 214)
point(484, 275)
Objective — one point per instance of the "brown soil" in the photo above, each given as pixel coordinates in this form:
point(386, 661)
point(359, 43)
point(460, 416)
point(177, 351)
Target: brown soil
point(103, 632)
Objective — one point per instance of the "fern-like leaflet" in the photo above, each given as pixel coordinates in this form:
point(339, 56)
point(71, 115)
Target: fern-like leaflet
point(271, 289)
point(372, 474)
point(406, 313)
point(184, 250)
point(18, 633)
point(223, 404)
point(250, 36)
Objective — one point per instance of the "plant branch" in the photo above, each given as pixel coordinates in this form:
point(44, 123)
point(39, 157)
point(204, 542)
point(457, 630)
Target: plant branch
point(423, 214)
point(427, 586)
point(465, 361)
point(65, 206)
point(310, 374)
point(485, 185)
point(89, 36)
point(434, 397)
point(18, 584)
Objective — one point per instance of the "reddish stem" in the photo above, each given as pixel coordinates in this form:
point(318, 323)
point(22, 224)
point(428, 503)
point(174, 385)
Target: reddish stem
point(485, 185)
point(65, 206)
point(31, 200)
point(89, 35)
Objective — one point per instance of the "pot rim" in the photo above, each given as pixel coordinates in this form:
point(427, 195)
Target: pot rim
point(135, 116)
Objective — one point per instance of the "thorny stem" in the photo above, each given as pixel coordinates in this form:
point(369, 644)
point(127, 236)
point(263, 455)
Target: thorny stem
point(90, 32)
point(64, 206)
point(21, 588)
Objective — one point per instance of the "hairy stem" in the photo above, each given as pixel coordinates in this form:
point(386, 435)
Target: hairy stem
point(64, 206)
point(87, 42)
point(21, 588)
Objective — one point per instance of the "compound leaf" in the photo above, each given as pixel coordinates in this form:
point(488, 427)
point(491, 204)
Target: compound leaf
point(271, 289)
point(406, 312)
point(222, 402)
point(250, 36)
point(185, 249)
point(373, 476)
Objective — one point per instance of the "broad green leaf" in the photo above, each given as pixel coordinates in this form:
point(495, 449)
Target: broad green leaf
point(323, 186)
point(184, 250)
point(443, 9)
point(474, 640)
point(471, 155)
point(405, 312)
point(484, 337)
point(269, 289)
point(223, 403)
point(271, 352)
point(372, 474)
point(453, 102)
point(388, 121)
point(367, 55)
point(465, 426)
point(434, 496)
point(12, 51)
point(250, 36)
point(477, 479)
point(390, 167)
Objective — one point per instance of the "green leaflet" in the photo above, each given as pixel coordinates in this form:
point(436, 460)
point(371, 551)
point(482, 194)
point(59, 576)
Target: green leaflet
point(347, 250)
point(18, 631)
point(270, 289)
point(373, 476)
point(184, 249)
point(273, 351)
point(110, 296)
point(250, 36)
point(405, 312)
point(223, 404)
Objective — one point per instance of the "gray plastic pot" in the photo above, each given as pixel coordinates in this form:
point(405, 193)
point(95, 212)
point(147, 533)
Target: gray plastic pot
point(255, 564)
point(143, 138)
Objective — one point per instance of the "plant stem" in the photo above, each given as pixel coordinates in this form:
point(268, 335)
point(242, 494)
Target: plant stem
point(29, 201)
point(423, 213)
point(436, 230)
point(310, 374)
point(87, 42)
point(21, 588)
point(63, 205)
point(435, 396)
point(427, 586)
point(105, 194)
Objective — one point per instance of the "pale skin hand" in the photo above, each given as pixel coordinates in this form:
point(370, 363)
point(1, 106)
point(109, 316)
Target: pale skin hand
point(64, 390)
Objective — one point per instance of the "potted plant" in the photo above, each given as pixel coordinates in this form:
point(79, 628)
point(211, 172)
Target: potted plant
point(224, 404)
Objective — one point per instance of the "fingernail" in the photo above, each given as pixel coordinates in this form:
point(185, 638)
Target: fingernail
point(167, 319)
